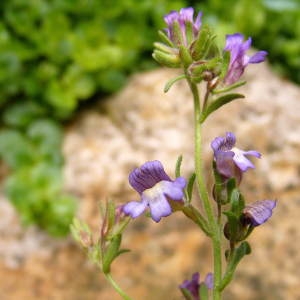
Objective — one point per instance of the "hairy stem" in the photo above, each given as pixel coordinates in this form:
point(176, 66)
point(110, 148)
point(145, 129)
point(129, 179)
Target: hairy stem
point(116, 287)
point(215, 229)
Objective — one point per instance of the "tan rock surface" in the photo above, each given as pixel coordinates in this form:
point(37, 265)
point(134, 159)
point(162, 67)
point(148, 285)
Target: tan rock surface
point(141, 123)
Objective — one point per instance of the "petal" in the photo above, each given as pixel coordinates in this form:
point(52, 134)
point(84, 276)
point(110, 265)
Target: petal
point(171, 17)
point(259, 212)
point(253, 153)
point(224, 163)
point(174, 190)
point(209, 280)
point(135, 208)
point(247, 44)
point(187, 14)
point(258, 57)
point(156, 170)
point(198, 22)
point(159, 207)
point(224, 144)
point(233, 40)
point(149, 174)
point(241, 160)
point(216, 143)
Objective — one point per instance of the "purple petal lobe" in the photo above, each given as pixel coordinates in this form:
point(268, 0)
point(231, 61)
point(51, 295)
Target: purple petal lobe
point(135, 208)
point(209, 280)
point(147, 176)
point(224, 162)
point(233, 40)
point(159, 207)
point(198, 22)
point(187, 14)
point(224, 144)
point(253, 153)
point(241, 160)
point(171, 17)
point(174, 190)
point(259, 212)
point(258, 57)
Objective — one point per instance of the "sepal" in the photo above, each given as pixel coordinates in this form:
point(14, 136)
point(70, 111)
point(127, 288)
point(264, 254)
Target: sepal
point(178, 166)
point(164, 38)
point(81, 233)
point(238, 253)
point(166, 59)
point(170, 83)
point(203, 292)
point(201, 46)
point(111, 252)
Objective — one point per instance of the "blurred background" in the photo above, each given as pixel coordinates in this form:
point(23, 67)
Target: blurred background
point(67, 69)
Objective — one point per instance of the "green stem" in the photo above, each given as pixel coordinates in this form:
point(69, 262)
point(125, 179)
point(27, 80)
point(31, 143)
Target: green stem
point(215, 229)
point(116, 287)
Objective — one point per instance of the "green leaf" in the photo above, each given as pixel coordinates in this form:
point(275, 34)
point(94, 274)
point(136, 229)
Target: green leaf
point(229, 88)
point(203, 292)
point(237, 202)
point(231, 185)
point(216, 104)
point(110, 214)
point(232, 228)
point(15, 149)
point(111, 253)
point(187, 294)
point(189, 188)
point(238, 254)
point(178, 166)
point(22, 114)
point(172, 81)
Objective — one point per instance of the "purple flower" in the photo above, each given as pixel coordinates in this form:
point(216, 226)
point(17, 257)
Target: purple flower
point(193, 285)
point(156, 190)
point(258, 212)
point(231, 161)
point(238, 58)
point(185, 18)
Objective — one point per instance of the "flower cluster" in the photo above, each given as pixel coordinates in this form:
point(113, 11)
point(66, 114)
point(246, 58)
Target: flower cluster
point(190, 44)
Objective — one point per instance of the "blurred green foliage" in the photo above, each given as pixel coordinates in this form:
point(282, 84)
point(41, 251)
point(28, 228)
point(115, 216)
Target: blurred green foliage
point(35, 184)
point(274, 26)
point(54, 54)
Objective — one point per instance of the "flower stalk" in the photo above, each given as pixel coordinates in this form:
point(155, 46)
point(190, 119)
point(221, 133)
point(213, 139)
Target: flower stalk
point(200, 178)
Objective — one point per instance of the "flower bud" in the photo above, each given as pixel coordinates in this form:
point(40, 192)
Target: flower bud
point(166, 59)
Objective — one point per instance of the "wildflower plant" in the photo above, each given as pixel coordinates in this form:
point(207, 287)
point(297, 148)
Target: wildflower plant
point(224, 214)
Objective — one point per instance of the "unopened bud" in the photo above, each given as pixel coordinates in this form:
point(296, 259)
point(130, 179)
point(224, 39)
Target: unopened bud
point(168, 60)
point(85, 239)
